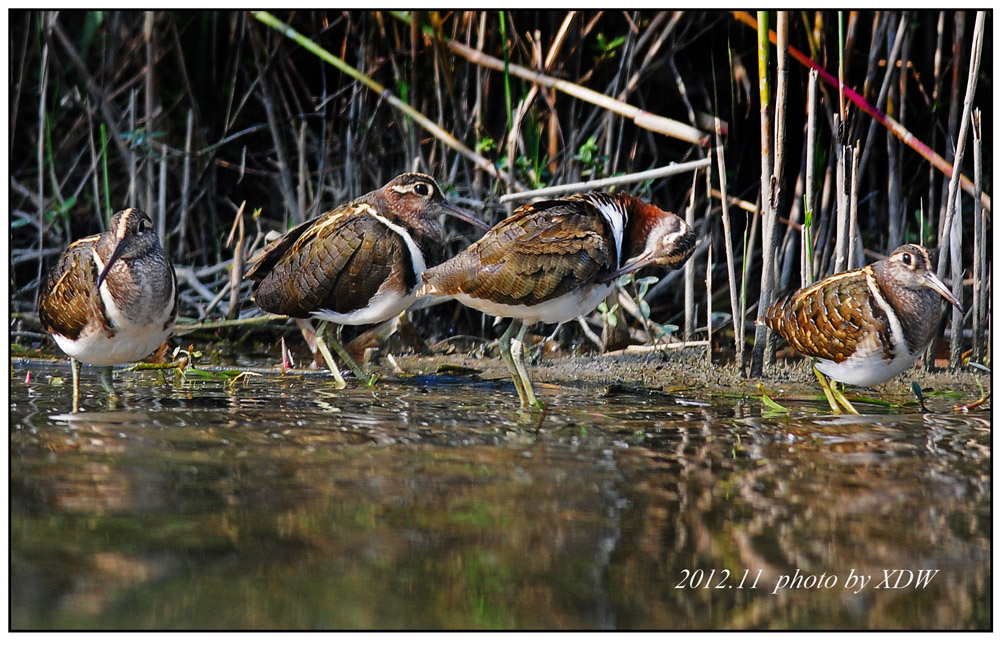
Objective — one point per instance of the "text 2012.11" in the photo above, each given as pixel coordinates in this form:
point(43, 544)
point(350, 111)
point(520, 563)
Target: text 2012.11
point(695, 578)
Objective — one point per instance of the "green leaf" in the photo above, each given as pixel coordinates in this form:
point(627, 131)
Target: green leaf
point(768, 402)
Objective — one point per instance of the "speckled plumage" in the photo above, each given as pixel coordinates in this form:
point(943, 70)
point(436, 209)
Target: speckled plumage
point(865, 326)
point(374, 247)
point(556, 260)
point(122, 315)
point(110, 298)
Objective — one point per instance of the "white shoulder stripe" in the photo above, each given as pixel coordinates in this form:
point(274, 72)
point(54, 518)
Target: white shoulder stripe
point(616, 217)
point(896, 336)
point(419, 264)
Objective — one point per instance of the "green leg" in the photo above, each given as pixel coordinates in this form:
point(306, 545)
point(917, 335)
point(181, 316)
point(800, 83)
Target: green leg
point(833, 396)
point(508, 360)
point(359, 374)
point(841, 398)
point(330, 363)
point(517, 353)
point(108, 384)
point(74, 365)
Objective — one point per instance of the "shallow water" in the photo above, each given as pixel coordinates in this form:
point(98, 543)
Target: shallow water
point(433, 503)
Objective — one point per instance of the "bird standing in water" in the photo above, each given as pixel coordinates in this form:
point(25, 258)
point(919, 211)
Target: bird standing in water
point(556, 260)
point(356, 264)
point(864, 326)
point(111, 298)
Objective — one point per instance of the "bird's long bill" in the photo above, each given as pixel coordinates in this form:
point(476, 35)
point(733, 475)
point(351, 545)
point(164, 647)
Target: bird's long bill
point(934, 282)
point(112, 259)
point(460, 213)
point(636, 263)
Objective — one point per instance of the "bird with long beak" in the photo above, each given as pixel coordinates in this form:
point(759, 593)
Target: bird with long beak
point(864, 327)
point(111, 298)
point(359, 263)
point(556, 260)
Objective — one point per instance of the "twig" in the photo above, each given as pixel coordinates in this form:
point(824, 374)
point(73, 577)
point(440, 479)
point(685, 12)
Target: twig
point(185, 184)
point(853, 239)
point(963, 132)
point(665, 346)
point(263, 319)
point(708, 307)
point(810, 186)
point(689, 306)
point(655, 173)
point(768, 195)
point(843, 199)
point(236, 273)
point(979, 246)
point(728, 238)
point(42, 97)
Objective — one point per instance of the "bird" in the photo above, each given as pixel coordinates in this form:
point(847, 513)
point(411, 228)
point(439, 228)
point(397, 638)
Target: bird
point(358, 263)
point(555, 260)
point(864, 326)
point(111, 298)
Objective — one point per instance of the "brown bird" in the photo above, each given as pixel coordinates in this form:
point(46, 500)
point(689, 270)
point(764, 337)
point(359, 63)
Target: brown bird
point(556, 260)
point(358, 263)
point(864, 326)
point(111, 298)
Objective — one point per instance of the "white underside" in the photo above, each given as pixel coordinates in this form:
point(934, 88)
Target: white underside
point(384, 305)
point(557, 310)
point(866, 371)
point(96, 348)
point(133, 340)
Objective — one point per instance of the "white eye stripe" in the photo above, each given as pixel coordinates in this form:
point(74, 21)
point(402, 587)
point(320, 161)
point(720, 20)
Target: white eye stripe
point(413, 188)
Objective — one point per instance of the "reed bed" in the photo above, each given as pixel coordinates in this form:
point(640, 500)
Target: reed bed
point(227, 125)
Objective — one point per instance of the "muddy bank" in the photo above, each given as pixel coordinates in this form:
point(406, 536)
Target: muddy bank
point(686, 373)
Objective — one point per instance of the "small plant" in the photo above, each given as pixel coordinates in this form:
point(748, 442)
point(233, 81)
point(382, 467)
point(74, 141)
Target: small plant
point(593, 161)
point(608, 315)
point(606, 48)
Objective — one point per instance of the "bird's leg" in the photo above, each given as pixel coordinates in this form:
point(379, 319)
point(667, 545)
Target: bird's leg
point(359, 374)
point(517, 354)
point(330, 363)
point(833, 396)
point(505, 354)
point(74, 365)
point(823, 384)
point(841, 398)
point(106, 382)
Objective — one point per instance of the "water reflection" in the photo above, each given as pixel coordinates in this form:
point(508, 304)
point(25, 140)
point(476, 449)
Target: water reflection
point(286, 504)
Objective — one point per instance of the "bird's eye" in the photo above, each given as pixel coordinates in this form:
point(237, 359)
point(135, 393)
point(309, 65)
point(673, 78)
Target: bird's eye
point(907, 259)
point(423, 190)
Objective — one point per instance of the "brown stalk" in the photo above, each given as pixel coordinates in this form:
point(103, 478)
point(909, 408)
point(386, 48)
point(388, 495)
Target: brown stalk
point(728, 239)
point(843, 202)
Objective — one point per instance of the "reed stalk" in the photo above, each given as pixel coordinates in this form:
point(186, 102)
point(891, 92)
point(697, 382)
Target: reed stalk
point(767, 195)
point(618, 180)
point(810, 181)
point(979, 280)
point(890, 123)
point(727, 233)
